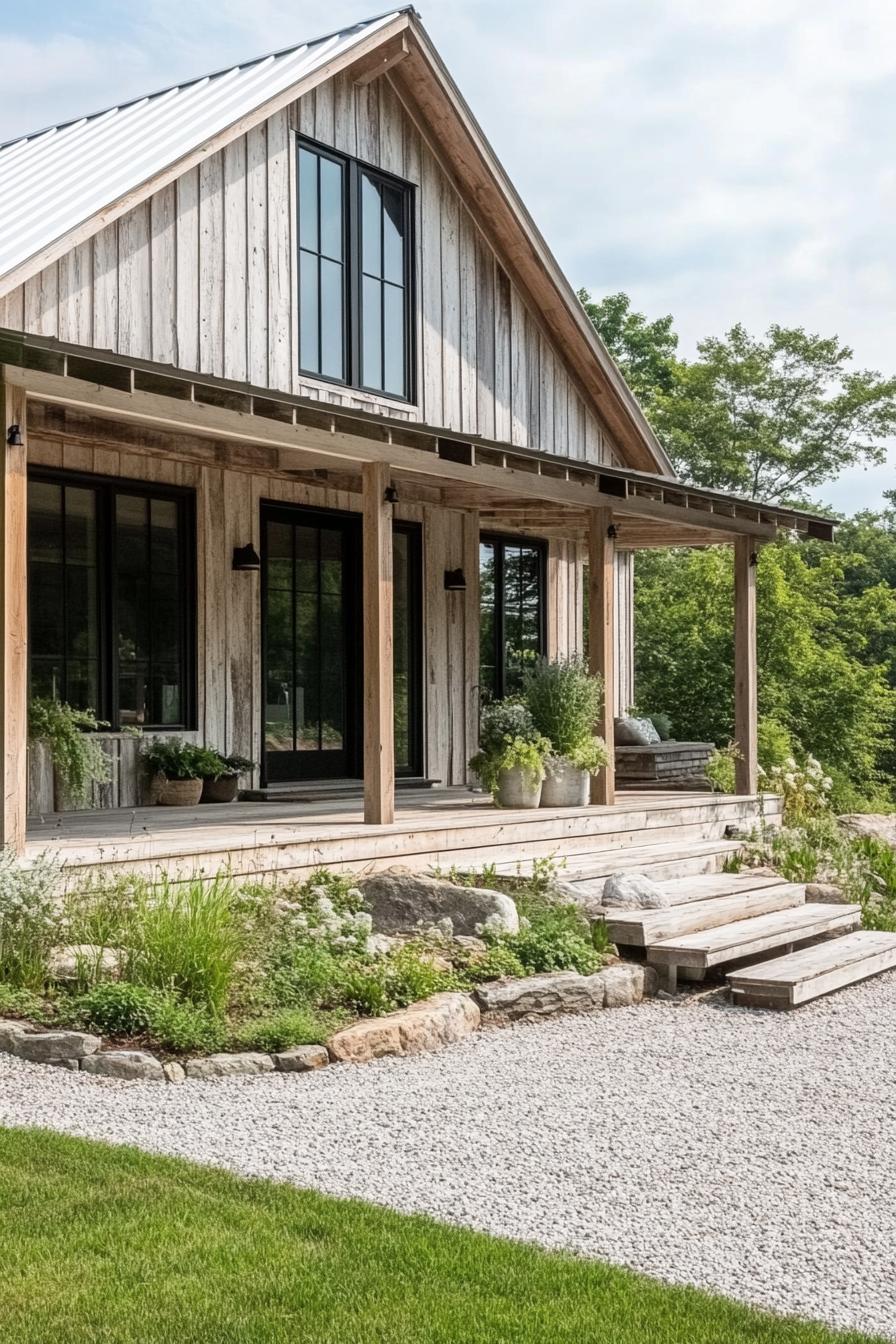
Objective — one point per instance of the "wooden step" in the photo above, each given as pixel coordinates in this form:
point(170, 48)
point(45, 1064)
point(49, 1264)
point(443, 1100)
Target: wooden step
point(662, 861)
point(682, 890)
point(751, 937)
point(642, 928)
point(802, 976)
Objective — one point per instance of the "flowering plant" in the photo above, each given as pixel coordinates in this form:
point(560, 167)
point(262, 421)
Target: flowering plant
point(28, 919)
point(805, 788)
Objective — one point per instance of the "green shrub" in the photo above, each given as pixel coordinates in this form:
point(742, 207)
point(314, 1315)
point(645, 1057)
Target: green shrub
point(564, 701)
point(116, 1009)
point(774, 742)
point(719, 769)
point(187, 938)
point(876, 892)
point(176, 759)
point(553, 936)
point(508, 739)
point(495, 963)
point(663, 725)
point(186, 1028)
point(28, 919)
point(21, 1003)
point(382, 985)
point(287, 1027)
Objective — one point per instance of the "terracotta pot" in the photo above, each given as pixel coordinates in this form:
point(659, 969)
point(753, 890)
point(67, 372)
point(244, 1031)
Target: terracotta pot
point(517, 788)
point(564, 785)
point(223, 790)
point(178, 792)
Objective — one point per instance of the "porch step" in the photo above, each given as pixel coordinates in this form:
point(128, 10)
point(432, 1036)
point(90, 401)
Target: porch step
point(645, 928)
point(802, 976)
point(683, 890)
point(745, 938)
point(590, 869)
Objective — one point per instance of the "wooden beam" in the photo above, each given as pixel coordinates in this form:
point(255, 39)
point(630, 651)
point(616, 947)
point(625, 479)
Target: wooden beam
point(601, 640)
point(380, 60)
point(14, 611)
point(746, 770)
point(379, 714)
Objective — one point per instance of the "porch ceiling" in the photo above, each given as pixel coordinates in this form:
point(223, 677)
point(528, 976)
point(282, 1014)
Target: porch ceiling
point(518, 488)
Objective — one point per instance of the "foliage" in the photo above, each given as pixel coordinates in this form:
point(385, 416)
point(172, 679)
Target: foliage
point(564, 701)
point(819, 680)
point(28, 919)
point(117, 1009)
point(156, 1016)
point(508, 739)
point(805, 790)
point(185, 937)
point(496, 962)
point(646, 351)
point(176, 759)
point(286, 1027)
point(15, 1002)
point(381, 985)
point(775, 744)
point(78, 758)
point(720, 768)
point(663, 725)
point(877, 895)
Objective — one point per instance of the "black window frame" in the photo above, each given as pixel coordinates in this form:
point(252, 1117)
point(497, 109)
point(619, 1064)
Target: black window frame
point(107, 489)
point(352, 318)
point(500, 541)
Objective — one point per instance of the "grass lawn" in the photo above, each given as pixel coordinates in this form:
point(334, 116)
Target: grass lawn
point(108, 1244)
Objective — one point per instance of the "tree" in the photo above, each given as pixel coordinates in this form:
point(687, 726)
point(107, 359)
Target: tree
point(773, 419)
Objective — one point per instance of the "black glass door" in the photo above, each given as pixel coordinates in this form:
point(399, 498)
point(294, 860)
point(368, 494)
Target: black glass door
point(312, 645)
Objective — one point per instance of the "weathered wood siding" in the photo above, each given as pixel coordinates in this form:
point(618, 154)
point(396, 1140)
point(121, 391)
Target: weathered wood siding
point(567, 575)
point(203, 276)
point(228, 509)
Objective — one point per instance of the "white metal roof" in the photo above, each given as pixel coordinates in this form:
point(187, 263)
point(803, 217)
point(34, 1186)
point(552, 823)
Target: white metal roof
point(54, 180)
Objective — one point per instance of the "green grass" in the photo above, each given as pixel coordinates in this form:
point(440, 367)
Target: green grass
point(110, 1245)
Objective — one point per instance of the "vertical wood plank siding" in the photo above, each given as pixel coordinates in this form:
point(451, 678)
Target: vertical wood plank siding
point(203, 275)
point(228, 510)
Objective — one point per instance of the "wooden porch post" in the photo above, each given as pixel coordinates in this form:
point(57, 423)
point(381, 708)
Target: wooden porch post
point(601, 638)
point(14, 610)
point(379, 718)
point(746, 769)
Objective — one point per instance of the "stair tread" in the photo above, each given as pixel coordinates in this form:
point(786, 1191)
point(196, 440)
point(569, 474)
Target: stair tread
point(588, 864)
point(747, 937)
point(808, 962)
point(708, 886)
point(644, 928)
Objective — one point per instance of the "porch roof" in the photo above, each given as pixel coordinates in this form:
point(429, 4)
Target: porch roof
point(521, 487)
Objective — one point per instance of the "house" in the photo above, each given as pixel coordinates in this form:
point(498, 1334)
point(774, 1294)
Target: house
point(308, 439)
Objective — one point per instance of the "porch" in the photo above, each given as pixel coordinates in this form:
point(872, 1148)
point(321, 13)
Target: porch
point(665, 833)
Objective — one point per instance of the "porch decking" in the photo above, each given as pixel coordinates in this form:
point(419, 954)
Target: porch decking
point(666, 833)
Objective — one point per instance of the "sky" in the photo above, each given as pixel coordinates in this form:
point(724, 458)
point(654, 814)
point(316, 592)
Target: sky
point(720, 160)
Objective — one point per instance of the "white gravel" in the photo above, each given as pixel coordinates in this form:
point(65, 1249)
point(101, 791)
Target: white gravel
point(746, 1152)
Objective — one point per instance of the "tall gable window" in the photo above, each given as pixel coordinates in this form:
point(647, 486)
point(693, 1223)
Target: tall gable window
point(355, 274)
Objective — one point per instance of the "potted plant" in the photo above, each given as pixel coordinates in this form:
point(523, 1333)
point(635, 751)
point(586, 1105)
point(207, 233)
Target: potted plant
point(176, 767)
point(564, 701)
point(511, 756)
point(221, 782)
point(78, 757)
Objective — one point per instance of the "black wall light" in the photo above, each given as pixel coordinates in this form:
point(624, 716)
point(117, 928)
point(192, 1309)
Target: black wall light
point(246, 557)
point(390, 495)
point(455, 581)
point(14, 436)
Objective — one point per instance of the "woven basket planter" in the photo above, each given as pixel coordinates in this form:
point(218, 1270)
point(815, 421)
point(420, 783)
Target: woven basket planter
point(178, 792)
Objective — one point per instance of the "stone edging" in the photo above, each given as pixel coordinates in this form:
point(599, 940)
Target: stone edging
point(428, 1025)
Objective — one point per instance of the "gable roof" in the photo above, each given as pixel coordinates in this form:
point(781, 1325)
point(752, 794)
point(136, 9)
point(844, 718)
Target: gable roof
point(65, 183)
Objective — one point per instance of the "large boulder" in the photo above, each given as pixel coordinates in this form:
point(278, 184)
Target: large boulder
point(876, 825)
point(47, 1047)
point(633, 891)
point(399, 902)
point(538, 996)
point(70, 963)
point(428, 1025)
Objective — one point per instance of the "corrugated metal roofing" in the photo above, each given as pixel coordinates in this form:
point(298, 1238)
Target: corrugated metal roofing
point(56, 179)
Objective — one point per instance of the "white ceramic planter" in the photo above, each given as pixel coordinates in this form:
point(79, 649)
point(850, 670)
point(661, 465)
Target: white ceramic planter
point(565, 785)
point(517, 788)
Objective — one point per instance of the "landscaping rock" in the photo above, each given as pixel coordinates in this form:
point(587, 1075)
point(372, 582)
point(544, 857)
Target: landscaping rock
point(229, 1066)
point(380, 944)
point(49, 1047)
point(877, 825)
point(124, 1064)
point(9, 1029)
point(399, 902)
point(69, 963)
point(623, 985)
point(475, 946)
point(301, 1059)
point(537, 996)
point(427, 1025)
point(633, 891)
point(174, 1072)
point(827, 892)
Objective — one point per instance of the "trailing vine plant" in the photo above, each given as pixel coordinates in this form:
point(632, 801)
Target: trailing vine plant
point(78, 758)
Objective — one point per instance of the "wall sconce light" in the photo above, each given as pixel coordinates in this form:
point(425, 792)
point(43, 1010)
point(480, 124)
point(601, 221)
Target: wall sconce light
point(754, 558)
point(14, 436)
point(612, 531)
point(390, 495)
point(455, 581)
point(246, 558)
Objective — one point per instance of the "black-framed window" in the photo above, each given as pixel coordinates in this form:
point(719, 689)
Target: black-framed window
point(512, 595)
point(111, 598)
point(356, 273)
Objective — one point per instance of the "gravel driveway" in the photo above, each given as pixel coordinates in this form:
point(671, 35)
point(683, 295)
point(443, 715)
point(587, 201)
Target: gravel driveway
point(746, 1152)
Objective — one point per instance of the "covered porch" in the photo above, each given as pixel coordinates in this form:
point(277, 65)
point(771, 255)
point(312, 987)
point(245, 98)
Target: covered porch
point(74, 408)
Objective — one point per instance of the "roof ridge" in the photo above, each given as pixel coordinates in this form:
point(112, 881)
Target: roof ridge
point(211, 74)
